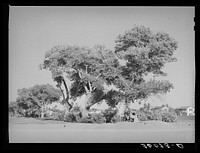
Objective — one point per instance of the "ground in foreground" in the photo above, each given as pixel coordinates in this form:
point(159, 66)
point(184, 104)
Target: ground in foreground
point(28, 130)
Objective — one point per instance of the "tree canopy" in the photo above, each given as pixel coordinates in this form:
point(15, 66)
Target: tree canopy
point(88, 68)
point(35, 97)
point(144, 52)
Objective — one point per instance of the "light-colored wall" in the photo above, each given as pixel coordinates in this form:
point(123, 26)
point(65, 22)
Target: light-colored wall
point(190, 111)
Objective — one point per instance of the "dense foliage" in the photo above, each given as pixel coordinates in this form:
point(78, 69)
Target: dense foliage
point(93, 118)
point(14, 109)
point(144, 52)
point(33, 100)
point(111, 115)
point(147, 114)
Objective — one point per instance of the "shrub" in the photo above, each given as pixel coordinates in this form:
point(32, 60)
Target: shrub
point(98, 118)
point(146, 115)
point(13, 109)
point(76, 109)
point(142, 116)
point(164, 116)
point(157, 116)
point(93, 118)
point(87, 119)
point(70, 117)
point(57, 115)
point(110, 115)
point(168, 116)
point(115, 119)
point(60, 115)
point(73, 116)
point(35, 113)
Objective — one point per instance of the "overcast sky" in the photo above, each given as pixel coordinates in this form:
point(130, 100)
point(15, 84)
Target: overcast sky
point(34, 30)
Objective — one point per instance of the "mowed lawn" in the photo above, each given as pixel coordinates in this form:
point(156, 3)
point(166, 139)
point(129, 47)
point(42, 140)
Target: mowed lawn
point(29, 130)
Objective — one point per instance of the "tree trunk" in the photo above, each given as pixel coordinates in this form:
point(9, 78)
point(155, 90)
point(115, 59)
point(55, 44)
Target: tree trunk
point(84, 112)
point(42, 115)
point(68, 107)
point(67, 90)
point(42, 112)
point(62, 92)
point(65, 101)
point(87, 103)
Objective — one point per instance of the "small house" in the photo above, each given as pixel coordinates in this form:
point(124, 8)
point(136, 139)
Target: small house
point(186, 110)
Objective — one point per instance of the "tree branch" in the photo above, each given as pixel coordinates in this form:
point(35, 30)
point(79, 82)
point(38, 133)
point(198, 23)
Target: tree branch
point(86, 89)
point(66, 88)
point(86, 70)
point(67, 94)
point(93, 88)
point(100, 99)
point(120, 77)
point(98, 75)
point(62, 92)
point(80, 74)
point(90, 86)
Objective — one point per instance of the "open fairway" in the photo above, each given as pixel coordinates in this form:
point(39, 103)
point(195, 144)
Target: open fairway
point(36, 131)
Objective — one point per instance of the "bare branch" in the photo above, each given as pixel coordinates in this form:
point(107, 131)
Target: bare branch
point(62, 92)
point(80, 74)
point(98, 75)
point(86, 89)
point(86, 69)
point(90, 86)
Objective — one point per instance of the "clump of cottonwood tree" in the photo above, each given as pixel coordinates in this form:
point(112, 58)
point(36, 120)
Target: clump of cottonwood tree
point(137, 53)
point(33, 101)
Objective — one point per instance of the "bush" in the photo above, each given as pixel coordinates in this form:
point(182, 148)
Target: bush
point(157, 116)
point(13, 109)
point(76, 109)
point(115, 119)
point(87, 119)
point(110, 115)
point(93, 118)
point(70, 117)
point(168, 116)
point(148, 115)
point(57, 115)
point(74, 115)
point(160, 115)
point(98, 118)
point(60, 115)
point(142, 116)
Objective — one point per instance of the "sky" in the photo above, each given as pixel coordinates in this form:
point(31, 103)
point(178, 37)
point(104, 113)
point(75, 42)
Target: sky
point(35, 30)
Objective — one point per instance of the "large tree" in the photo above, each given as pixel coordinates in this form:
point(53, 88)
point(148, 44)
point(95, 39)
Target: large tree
point(90, 69)
point(37, 98)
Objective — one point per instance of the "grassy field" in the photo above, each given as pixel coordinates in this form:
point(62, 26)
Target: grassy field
point(29, 130)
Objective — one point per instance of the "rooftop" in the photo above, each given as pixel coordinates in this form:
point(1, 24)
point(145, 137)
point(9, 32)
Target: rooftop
point(184, 107)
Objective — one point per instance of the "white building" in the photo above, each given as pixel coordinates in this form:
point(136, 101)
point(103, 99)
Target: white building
point(189, 110)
